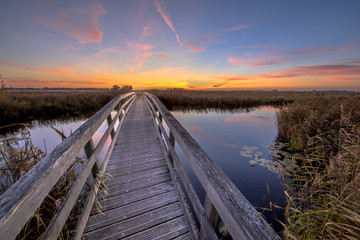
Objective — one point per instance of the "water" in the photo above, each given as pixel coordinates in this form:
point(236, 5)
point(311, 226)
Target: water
point(239, 144)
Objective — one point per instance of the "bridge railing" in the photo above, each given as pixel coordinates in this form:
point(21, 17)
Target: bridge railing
point(19, 203)
point(222, 196)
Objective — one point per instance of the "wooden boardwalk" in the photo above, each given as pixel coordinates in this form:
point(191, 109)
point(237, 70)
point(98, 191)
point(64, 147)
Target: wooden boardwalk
point(142, 202)
point(145, 194)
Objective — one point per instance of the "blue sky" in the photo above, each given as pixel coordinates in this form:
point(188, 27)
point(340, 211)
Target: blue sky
point(280, 44)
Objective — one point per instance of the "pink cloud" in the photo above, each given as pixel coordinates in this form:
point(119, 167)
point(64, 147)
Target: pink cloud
point(238, 27)
point(342, 79)
point(256, 62)
point(316, 70)
point(247, 118)
point(138, 47)
point(195, 129)
point(141, 58)
point(160, 7)
point(227, 78)
point(80, 24)
point(196, 49)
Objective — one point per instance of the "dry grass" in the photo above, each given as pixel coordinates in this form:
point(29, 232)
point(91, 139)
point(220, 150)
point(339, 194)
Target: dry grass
point(231, 100)
point(324, 193)
point(19, 106)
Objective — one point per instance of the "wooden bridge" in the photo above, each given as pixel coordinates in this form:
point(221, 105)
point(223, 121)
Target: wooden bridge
point(148, 194)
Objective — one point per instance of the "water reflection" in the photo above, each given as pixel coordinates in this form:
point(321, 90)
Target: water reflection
point(225, 136)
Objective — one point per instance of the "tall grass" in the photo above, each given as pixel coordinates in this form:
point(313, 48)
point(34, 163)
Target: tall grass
point(323, 194)
point(19, 106)
point(231, 100)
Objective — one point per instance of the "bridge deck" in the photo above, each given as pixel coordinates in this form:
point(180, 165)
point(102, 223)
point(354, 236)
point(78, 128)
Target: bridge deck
point(141, 202)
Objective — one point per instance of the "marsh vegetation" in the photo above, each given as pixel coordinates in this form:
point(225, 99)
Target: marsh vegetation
point(18, 106)
point(322, 188)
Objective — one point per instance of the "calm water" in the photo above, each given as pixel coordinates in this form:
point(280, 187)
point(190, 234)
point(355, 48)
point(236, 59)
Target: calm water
point(237, 142)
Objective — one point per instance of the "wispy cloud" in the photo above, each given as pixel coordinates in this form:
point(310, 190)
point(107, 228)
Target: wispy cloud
point(196, 49)
point(80, 24)
point(316, 70)
point(234, 78)
point(256, 62)
point(142, 54)
point(256, 46)
point(160, 6)
point(342, 79)
point(223, 31)
point(138, 46)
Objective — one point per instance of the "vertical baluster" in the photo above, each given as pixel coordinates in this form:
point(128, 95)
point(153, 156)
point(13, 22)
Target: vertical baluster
point(109, 119)
point(211, 213)
point(89, 148)
point(172, 142)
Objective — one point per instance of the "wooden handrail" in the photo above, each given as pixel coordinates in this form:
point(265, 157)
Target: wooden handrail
point(222, 196)
point(20, 201)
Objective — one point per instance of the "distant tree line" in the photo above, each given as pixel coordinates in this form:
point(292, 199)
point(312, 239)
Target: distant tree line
point(124, 87)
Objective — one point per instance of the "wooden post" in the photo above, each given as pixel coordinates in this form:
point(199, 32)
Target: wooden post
point(112, 133)
point(211, 213)
point(172, 142)
point(89, 148)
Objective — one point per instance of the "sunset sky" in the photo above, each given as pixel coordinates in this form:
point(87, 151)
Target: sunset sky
point(196, 44)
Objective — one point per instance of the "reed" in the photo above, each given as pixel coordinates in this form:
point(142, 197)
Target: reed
point(20, 106)
point(323, 197)
point(231, 100)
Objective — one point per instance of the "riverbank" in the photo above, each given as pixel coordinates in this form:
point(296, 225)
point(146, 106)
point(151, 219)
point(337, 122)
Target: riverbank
point(230, 100)
point(20, 106)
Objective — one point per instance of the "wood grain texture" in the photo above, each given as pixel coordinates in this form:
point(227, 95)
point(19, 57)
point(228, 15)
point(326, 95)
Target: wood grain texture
point(141, 201)
point(239, 216)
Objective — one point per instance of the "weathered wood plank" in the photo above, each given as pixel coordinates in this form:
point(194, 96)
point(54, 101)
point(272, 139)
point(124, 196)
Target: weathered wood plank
point(80, 226)
point(167, 230)
point(134, 196)
point(141, 195)
point(136, 224)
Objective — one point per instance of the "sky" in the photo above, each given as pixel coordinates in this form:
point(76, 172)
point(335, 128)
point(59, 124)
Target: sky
point(193, 44)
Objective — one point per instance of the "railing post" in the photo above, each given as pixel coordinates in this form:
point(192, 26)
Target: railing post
point(89, 148)
point(172, 142)
point(211, 213)
point(112, 133)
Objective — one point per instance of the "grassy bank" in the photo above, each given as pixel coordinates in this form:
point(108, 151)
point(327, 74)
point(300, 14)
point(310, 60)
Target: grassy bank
point(323, 194)
point(20, 106)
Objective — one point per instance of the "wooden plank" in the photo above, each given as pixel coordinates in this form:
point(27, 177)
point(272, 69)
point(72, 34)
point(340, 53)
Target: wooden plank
point(183, 202)
point(132, 186)
point(115, 180)
point(80, 226)
point(239, 216)
point(167, 230)
point(134, 196)
point(97, 220)
point(21, 200)
point(136, 224)
point(141, 194)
